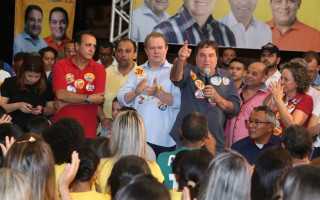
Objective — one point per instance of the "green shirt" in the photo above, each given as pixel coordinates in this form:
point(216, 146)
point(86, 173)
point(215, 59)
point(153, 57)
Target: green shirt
point(164, 161)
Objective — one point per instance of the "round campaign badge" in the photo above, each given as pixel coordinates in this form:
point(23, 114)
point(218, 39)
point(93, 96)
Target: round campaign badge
point(141, 100)
point(89, 77)
point(225, 81)
point(290, 108)
point(199, 84)
point(79, 83)
point(216, 80)
point(162, 106)
point(70, 88)
point(277, 130)
point(193, 76)
point(69, 78)
point(139, 71)
point(211, 102)
point(89, 87)
point(199, 94)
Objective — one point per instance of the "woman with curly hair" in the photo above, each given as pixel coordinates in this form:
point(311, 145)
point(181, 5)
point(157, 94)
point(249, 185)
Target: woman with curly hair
point(288, 97)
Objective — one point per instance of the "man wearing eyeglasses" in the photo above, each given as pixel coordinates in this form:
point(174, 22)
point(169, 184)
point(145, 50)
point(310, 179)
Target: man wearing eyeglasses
point(252, 94)
point(260, 126)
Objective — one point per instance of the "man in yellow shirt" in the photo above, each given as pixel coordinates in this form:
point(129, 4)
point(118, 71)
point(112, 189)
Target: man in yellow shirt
point(125, 53)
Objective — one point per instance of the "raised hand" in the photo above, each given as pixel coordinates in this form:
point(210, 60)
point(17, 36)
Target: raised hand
point(184, 52)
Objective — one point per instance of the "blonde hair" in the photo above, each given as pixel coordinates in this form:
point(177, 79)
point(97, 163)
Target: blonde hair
point(128, 136)
point(228, 178)
point(32, 156)
point(14, 185)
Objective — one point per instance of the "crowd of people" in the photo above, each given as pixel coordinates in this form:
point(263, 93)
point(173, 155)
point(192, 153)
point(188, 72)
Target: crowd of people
point(74, 128)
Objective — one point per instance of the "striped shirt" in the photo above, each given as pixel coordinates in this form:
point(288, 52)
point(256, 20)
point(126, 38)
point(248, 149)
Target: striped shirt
point(182, 27)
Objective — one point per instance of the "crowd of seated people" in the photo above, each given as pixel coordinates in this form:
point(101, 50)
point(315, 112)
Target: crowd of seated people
point(244, 131)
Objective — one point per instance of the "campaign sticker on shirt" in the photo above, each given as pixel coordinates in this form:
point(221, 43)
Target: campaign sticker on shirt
point(139, 71)
point(69, 78)
point(277, 130)
point(70, 88)
point(162, 106)
point(193, 76)
point(199, 94)
point(141, 100)
point(225, 81)
point(89, 87)
point(212, 103)
point(79, 83)
point(89, 77)
point(290, 108)
point(199, 84)
point(216, 80)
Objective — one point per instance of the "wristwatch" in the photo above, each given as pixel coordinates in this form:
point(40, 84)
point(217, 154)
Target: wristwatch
point(87, 101)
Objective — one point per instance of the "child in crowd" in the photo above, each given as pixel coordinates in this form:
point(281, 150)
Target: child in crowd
point(49, 56)
point(116, 107)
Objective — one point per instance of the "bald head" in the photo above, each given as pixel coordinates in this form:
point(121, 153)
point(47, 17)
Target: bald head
point(256, 74)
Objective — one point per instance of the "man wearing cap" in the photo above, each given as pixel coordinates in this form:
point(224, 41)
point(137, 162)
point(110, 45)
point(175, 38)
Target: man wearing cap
point(204, 88)
point(270, 56)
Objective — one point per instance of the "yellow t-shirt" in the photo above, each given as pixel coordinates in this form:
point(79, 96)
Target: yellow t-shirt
point(105, 168)
point(175, 195)
point(92, 195)
point(114, 81)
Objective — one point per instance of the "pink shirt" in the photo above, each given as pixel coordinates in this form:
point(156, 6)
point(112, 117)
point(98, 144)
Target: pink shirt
point(236, 128)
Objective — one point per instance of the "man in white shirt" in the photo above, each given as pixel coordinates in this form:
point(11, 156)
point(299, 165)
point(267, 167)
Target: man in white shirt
point(249, 31)
point(270, 56)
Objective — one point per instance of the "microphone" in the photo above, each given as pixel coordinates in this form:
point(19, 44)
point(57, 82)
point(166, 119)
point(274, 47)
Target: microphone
point(207, 76)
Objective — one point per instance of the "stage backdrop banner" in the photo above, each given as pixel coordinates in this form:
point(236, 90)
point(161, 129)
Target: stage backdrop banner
point(46, 6)
point(307, 14)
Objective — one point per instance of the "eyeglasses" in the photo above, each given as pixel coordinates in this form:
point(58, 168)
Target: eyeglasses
point(255, 123)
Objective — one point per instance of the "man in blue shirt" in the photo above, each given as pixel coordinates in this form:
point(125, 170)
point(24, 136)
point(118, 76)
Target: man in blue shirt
point(149, 90)
point(193, 23)
point(146, 17)
point(213, 93)
point(260, 125)
point(29, 40)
